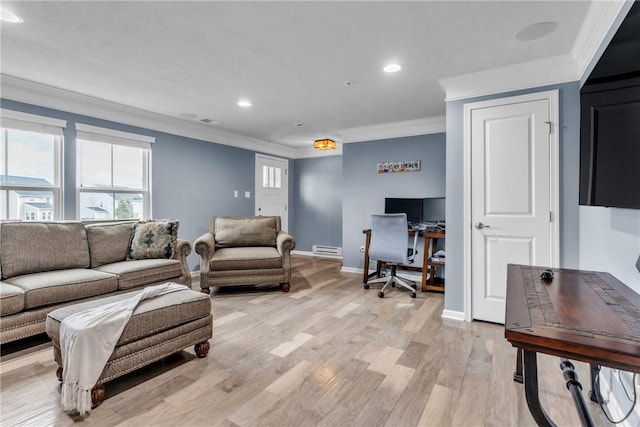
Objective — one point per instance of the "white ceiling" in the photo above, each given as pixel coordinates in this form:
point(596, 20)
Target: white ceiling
point(291, 59)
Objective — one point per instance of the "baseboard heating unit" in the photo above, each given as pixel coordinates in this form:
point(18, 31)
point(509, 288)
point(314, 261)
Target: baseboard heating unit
point(326, 250)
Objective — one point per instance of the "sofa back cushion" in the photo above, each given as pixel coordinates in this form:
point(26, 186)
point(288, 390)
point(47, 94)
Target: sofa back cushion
point(109, 242)
point(249, 231)
point(32, 247)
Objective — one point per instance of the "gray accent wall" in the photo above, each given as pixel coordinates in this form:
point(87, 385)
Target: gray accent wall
point(317, 202)
point(569, 127)
point(364, 190)
point(192, 180)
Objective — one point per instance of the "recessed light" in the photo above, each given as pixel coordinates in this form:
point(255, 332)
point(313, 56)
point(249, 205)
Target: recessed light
point(535, 31)
point(392, 68)
point(8, 16)
point(244, 103)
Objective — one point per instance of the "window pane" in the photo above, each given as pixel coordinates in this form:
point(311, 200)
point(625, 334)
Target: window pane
point(127, 167)
point(278, 180)
point(31, 157)
point(3, 132)
point(28, 205)
point(271, 179)
point(265, 177)
point(129, 206)
point(96, 206)
point(3, 205)
point(94, 159)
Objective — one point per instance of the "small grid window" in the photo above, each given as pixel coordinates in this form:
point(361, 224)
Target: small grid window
point(271, 177)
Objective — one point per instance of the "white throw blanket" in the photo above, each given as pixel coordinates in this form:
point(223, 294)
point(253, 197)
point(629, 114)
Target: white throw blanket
point(87, 340)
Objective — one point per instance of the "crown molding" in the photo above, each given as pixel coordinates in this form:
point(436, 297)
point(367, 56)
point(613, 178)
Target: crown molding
point(17, 89)
point(376, 132)
point(541, 72)
point(600, 25)
point(393, 130)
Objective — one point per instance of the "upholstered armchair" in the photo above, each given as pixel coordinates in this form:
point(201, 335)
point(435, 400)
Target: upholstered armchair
point(245, 251)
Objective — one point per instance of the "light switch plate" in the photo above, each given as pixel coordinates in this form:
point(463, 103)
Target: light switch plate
point(247, 194)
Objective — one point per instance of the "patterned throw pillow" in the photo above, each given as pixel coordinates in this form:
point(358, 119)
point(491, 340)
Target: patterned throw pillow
point(154, 239)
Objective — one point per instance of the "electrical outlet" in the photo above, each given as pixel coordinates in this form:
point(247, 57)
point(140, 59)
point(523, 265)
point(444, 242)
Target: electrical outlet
point(362, 249)
point(247, 194)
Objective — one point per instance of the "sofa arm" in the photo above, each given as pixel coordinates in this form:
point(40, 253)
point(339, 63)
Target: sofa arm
point(183, 248)
point(205, 247)
point(285, 242)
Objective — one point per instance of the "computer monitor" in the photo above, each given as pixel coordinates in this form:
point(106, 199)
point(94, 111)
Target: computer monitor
point(412, 207)
point(434, 210)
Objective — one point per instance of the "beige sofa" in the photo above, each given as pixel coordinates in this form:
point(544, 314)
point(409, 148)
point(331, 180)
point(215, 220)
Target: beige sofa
point(47, 265)
point(245, 251)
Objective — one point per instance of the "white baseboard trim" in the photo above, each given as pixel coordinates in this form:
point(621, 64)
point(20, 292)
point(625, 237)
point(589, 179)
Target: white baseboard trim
point(308, 253)
point(351, 270)
point(453, 315)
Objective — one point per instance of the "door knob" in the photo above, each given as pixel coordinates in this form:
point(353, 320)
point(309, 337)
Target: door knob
point(480, 226)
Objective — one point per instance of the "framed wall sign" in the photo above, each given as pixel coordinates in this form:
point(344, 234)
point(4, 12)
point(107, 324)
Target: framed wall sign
point(399, 166)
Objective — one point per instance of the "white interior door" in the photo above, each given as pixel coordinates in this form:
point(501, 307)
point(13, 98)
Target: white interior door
point(272, 189)
point(512, 165)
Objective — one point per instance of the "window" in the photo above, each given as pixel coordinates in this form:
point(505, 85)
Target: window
point(30, 167)
point(113, 174)
point(271, 177)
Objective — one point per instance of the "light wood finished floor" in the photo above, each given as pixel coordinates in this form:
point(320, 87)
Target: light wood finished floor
point(326, 353)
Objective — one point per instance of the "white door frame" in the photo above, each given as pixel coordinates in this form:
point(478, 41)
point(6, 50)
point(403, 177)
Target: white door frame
point(554, 181)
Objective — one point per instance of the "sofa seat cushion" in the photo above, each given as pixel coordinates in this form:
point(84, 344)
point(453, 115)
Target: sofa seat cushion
point(52, 287)
point(135, 273)
point(150, 317)
point(11, 299)
point(245, 258)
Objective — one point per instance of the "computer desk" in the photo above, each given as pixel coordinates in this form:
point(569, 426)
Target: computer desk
point(428, 262)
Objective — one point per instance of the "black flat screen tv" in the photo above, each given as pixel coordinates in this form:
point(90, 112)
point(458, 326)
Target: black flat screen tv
point(412, 207)
point(610, 144)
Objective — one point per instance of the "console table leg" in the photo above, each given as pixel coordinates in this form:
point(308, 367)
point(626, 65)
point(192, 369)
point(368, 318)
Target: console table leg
point(594, 394)
point(531, 390)
point(574, 386)
point(517, 375)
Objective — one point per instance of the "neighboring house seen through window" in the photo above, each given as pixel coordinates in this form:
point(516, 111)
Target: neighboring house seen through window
point(113, 174)
point(30, 167)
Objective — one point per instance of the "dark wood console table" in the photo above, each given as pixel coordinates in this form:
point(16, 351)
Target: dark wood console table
point(429, 263)
point(580, 315)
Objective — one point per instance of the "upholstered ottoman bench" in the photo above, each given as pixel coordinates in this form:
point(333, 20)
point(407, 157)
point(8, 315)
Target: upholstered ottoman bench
point(158, 327)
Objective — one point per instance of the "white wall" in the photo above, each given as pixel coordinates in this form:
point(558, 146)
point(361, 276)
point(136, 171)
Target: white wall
point(610, 241)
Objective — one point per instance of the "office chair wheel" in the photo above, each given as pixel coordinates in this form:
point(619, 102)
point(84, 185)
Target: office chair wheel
point(381, 294)
point(414, 286)
point(413, 295)
point(366, 286)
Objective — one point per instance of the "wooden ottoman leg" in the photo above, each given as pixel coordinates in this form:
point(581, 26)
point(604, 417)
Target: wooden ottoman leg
point(205, 291)
point(59, 373)
point(285, 287)
point(202, 349)
point(97, 395)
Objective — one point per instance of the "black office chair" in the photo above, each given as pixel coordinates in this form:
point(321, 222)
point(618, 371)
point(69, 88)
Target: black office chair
point(389, 245)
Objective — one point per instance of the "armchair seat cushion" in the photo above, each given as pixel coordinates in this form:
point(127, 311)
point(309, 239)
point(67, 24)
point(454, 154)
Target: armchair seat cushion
point(244, 258)
point(53, 287)
point(135, 273)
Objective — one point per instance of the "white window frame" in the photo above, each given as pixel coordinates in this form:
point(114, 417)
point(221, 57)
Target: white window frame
point(115, 137)
point(10, 119)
